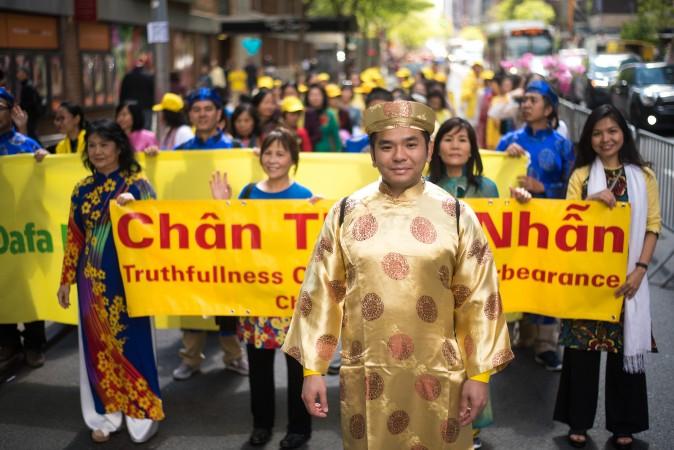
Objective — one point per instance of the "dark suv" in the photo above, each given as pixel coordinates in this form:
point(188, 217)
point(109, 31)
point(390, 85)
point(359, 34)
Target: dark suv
point(644, 93)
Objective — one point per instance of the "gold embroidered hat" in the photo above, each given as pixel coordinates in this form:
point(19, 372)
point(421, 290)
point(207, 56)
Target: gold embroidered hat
point(399, 114)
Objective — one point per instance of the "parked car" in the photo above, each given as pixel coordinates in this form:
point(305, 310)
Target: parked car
point(644, 93)
point(601, 74)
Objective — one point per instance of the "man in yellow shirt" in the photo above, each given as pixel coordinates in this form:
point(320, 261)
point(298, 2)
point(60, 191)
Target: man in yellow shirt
point(403, 272)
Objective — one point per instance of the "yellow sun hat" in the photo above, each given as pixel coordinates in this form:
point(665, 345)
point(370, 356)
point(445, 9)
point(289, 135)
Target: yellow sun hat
point(323, 76)
point(302, 88)
point(403, 72)
point(291, 104)
point(333, 91)
point(265, 82)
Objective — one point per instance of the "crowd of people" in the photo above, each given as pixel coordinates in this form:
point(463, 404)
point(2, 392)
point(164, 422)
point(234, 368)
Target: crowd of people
point(426, 147)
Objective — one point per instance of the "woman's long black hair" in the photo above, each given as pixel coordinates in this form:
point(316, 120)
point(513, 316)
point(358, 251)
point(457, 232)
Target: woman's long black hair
point(473, 168)
point(137, 118)
point(628, 153)
point(110, 130)
point(240, 109)
point(324, 105)
point(75, 110)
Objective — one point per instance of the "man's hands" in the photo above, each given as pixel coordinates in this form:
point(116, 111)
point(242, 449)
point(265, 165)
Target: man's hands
point(314, 389)
point(474, 396)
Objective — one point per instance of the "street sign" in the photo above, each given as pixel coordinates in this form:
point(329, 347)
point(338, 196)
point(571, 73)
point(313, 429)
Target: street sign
point(157, 32)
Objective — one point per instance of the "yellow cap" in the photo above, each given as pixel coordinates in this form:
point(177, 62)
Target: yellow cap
point(302, 88)
point(332, 91)
point(440, 77)
point(428, 73)
point(323, 76)
point(170, 102)
point(403, 72)
point(487, 74)
point(278, 83)
point(291, 104)
point(400, 114)
point(372, 75)
point(265, 82)
point(406, 84)
point(365, 88)
point(477, 62)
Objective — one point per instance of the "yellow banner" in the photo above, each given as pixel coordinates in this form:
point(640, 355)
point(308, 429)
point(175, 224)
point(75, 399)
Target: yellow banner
point(554, 257)
point(35, 202)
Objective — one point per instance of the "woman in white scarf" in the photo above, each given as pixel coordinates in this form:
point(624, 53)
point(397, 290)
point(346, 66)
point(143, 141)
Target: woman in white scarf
point(609, 169)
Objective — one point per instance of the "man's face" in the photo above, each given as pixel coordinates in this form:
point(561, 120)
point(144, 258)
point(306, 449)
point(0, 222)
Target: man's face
point(534, 108)
point(400, 155)
point(204, 116)
point(5, 116)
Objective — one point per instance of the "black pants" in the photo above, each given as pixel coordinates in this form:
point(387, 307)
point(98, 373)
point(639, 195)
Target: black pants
point(626, 396)
point(34, 337)
point(261, 365)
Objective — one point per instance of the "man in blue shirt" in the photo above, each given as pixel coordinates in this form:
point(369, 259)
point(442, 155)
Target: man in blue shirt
point(551, 162)
point(11, 141)
point(205, 110)
point(34, 340)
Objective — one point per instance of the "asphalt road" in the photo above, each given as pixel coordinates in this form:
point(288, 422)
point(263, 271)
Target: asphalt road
point(40, 409)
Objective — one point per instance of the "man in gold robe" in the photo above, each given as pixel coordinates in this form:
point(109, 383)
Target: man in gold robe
point(402, 270)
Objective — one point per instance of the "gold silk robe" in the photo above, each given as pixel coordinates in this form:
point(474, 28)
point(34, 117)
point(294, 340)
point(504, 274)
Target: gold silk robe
point(418, 309)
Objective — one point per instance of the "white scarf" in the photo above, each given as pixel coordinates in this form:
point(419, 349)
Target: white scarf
point(637, 322)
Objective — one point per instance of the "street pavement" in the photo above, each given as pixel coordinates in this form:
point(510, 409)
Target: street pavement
point(40, 409)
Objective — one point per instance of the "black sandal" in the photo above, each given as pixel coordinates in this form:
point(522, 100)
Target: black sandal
point(617, 445)
point(575, 443)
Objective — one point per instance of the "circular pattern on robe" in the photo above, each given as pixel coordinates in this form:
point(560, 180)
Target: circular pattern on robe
point(356, 351)
point(461, 294)
point(449, 429)
point(493, 306)
point(427, 310)
point(449, 353)
point(418, 447)
point(374, 386)
point(324, 245)
point(337, 290)
point(372, 307)
point(449, 206)
point(357, 426)
point(306, 304)
point(423, 230)
point(395, 266)
point(397, 421)
point(295, 353)
point(502, 357)
point(400, 346)
point(468, 345)
point(325, 346)
point(481, 251)
point(428, 387)
point(364, 227)
point(443, 275)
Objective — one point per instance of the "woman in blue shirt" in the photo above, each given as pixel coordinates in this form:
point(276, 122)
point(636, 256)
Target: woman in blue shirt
point(263, 335)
